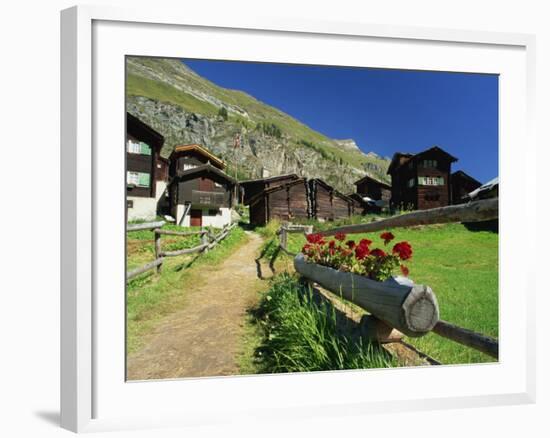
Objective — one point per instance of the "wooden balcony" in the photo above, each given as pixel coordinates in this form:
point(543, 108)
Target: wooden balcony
point(201, 198)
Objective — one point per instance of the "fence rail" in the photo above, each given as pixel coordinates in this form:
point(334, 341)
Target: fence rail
point(473, 212)
point(145, 226)
point(477, 211)
point(208, 241)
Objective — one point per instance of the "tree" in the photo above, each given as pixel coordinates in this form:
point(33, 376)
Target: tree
point(223, 113)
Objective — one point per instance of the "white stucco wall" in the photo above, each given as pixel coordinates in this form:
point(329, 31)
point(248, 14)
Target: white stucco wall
point(143, 208)
point(180, 208)
point(160, 189)
point(217, 221)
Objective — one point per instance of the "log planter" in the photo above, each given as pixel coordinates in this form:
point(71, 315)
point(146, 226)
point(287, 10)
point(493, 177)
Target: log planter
point(410, 308)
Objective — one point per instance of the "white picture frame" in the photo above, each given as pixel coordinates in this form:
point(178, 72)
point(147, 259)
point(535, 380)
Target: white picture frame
point(88, 376)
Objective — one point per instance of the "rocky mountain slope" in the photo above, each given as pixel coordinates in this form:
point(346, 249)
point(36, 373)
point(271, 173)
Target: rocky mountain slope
point(186, 108)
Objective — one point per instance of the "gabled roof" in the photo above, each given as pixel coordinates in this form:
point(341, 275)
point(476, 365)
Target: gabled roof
point(400, 158)
point(462, 174)
point(258, 196)
point(206, 168)
point(484, 189)
point(199, 149)
point(374, 180)
point(270, 179)
point(438, 150)
point(396, 160)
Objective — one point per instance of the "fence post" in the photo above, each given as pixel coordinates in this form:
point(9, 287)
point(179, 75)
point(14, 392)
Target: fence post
point(205, 239)
point(283, 238)
point(158, 249)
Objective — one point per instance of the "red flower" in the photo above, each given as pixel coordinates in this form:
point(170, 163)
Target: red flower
point(331, 244)
point(365, 242)
point(340, 236)
point(377, 252)
point(403, 250)
point(404, 270)
point(350, 244)
point(387, 236)
point(315, 238)
point(306, 248)
point(361, 251)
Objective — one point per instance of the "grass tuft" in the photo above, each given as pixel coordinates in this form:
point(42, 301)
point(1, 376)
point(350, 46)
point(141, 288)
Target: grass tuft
point(300, 334)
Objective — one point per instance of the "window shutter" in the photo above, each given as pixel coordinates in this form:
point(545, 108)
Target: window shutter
point(441, 181)
point(145, 148)
point(421, 181)
point(144, 179)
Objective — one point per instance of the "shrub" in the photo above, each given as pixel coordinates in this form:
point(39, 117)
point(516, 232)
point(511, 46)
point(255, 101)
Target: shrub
point(223, 113)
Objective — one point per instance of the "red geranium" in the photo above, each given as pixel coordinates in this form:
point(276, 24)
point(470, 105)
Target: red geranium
point(315, 238)
point(365, 242)
point(361, 251)
point(358, 258)
point(387, 236)
point(340, 236)
point(377, 252)
point(403, 250)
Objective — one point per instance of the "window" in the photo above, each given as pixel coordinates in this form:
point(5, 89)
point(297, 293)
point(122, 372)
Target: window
point(431, 181)
point(188, 166)
point(138, 147)
point(218, 185)
point(138, 179)
point(410, 183)
point(429, 163)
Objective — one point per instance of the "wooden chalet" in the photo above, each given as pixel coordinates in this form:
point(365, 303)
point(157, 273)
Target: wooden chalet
point(253, 187)
point(374, 190)
point(461, 185)
point(327, 203)
point(421, 181)
point(286, 201)
point(201, 193)
point(146, 170)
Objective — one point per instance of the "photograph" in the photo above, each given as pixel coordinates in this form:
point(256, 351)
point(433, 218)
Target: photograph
point(285, 218)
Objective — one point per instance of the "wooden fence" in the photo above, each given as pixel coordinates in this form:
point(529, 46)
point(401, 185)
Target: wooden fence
point(208, 241)
point(478, 211)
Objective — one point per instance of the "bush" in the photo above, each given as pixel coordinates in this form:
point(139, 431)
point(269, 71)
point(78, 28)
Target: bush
point(270, 129)
point(223, 113)
point(300, 334)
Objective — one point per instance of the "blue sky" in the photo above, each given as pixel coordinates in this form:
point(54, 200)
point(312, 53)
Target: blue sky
point(384, 111)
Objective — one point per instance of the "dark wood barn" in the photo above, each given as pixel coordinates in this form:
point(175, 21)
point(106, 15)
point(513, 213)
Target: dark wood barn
point(285, 202)
point(253, 187)
point(327, 203)
point(461, 185)
point(201, 193)
point(374, 189)
point(143, 146)
point(146, 175)
point(421, 181)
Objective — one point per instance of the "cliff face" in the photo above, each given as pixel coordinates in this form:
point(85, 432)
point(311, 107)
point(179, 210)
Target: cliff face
point(186, 108)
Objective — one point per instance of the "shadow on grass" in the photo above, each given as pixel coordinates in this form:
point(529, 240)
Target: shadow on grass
point(491, 226)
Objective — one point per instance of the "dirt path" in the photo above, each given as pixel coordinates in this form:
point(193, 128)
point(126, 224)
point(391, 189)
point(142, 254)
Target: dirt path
point(203, 339)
